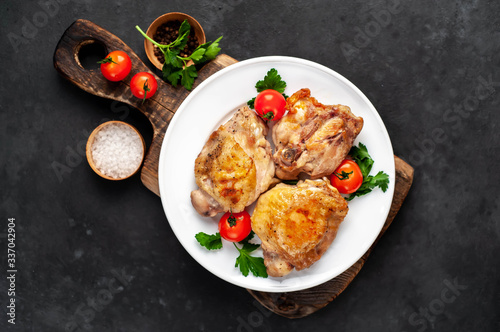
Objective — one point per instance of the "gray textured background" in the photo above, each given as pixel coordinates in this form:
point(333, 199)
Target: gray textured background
point(431, 68)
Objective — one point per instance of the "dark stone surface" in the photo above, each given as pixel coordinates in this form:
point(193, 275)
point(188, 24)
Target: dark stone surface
point(430, 68)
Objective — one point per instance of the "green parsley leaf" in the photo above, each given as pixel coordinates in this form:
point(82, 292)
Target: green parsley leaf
point(172, 59)
point(174, 76)
point(197, 54)
point(211, 242)
point(362, 158)
point(184, 28)
point(248, 263)
point(253, 264)
point(182, 37)
point(188, 75)
point(381, 180)
point(365, 162)
point(167, 69)
point(271, 81)
point(249, 247)
point(251, 103)
point(213, 49)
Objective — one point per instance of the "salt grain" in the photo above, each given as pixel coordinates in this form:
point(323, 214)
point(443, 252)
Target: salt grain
point(117, 150)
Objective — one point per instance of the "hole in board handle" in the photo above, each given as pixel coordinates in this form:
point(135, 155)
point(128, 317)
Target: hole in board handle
point(89, 52)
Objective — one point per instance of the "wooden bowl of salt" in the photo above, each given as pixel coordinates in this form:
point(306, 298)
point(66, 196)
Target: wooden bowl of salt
point(115, 150)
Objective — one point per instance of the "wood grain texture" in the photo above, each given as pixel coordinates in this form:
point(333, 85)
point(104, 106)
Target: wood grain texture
point(303, 303)
point(160, 109)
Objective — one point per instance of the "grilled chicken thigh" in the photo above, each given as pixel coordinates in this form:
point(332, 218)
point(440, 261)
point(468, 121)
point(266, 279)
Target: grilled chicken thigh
point(234, 167)
point(313, 138)
point(297, 224)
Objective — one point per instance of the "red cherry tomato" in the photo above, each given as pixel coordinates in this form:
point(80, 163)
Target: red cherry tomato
point(235, 227)
point(116, 66)
point(347, 178)
point(143, 85)
point(270, 105)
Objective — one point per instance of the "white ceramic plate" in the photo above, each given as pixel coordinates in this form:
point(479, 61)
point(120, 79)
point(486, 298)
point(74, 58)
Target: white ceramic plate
point(212, 103)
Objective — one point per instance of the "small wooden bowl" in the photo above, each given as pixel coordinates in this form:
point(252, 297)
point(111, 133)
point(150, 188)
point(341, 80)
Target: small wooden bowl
point(91, 140)
point(149, 47)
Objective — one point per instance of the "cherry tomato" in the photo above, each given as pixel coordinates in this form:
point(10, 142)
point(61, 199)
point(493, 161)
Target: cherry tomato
point(270, 105)
point(235, 227)
point(116, 66)
point(347, 178)
point(143, 85)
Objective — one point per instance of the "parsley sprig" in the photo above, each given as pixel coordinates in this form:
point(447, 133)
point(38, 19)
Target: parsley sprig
point(175, 67)
point(211, 242)
point(272, 80)
point(249, 263)
point(244, 261)
point(365, 162)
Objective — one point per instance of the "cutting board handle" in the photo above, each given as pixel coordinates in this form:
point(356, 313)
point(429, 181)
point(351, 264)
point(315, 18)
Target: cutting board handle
point(66, 61)
point(159, 109)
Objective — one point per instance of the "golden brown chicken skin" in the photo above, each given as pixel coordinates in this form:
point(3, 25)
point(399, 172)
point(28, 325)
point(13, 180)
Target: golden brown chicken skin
point(234, 166)
point(297, 224)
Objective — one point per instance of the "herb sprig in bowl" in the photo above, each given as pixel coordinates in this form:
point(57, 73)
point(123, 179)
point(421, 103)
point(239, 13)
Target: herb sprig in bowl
point(176, 68)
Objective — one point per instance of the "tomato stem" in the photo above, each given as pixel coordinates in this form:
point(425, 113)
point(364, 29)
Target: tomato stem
point(269, 115)
point(146, 89)
point(343, 175)
point(107, 60)
point(231, 220)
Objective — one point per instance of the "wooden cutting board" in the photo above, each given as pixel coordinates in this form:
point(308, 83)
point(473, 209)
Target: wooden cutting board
point(159, 109)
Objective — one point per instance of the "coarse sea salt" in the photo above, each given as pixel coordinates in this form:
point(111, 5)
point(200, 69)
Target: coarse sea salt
point(117, 150)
